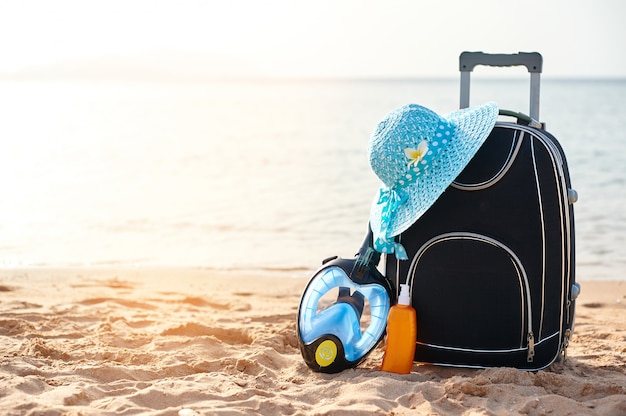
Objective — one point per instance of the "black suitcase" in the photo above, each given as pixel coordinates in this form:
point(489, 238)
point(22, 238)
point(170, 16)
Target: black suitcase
point(491, 263)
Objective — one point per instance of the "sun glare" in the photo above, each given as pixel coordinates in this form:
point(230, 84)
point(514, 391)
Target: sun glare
point(250, 34)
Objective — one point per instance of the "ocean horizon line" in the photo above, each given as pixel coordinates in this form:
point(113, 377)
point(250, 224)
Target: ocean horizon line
point(155, 78)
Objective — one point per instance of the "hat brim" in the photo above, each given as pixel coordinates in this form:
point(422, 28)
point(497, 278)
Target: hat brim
point(471, 128)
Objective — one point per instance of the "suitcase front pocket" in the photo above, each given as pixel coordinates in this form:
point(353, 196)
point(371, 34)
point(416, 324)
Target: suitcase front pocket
point(471, 294)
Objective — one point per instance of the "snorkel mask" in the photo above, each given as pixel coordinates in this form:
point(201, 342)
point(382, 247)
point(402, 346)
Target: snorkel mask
point(343, 311)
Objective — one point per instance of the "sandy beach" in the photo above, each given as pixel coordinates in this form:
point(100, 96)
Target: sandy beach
point(200, 342)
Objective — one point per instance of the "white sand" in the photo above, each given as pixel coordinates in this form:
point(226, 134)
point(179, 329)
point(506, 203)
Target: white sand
point(193, 342)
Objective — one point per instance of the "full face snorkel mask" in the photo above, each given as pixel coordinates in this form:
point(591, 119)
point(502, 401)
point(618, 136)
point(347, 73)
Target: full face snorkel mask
point(343, 311)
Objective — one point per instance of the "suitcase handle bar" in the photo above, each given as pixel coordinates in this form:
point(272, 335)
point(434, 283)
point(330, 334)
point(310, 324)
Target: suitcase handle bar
point(533, 61)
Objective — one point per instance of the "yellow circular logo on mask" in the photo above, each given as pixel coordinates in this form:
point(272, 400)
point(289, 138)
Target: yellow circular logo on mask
point(326, 353)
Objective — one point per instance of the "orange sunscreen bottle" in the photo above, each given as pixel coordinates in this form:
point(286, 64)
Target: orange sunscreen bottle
point(401, 335)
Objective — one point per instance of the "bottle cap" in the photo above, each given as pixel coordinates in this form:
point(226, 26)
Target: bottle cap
point(405, 295)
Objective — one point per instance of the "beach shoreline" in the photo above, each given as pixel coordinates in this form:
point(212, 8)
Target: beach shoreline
point(184, 341)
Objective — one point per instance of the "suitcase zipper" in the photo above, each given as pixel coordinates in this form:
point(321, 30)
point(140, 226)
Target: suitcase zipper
point(568, 197)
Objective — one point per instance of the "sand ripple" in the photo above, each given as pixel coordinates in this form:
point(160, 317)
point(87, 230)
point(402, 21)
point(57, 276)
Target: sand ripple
point(126, 343)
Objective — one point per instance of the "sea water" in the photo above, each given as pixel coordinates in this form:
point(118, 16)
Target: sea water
point(267, 175)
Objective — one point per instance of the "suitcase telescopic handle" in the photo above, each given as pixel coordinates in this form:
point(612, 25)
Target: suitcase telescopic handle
point(533, 61)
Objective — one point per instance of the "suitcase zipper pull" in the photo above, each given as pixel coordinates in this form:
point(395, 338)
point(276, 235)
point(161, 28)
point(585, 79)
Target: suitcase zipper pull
point(531, 347)
point(568, 334)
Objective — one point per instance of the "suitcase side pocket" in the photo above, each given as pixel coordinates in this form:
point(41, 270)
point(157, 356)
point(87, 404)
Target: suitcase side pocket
point(472, 295)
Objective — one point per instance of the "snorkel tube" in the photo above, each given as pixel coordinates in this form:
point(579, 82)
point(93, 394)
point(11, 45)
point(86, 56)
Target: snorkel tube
point(337, 336)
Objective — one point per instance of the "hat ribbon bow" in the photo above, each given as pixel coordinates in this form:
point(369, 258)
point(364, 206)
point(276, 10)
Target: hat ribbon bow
point(391, 200)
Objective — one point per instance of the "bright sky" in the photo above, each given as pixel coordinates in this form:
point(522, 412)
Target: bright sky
point(337, 38)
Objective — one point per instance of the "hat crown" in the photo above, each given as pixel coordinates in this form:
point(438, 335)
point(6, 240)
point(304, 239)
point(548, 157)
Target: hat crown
point(403, 129)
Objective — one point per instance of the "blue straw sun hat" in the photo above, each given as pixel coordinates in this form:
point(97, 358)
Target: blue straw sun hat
point(417, 154)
